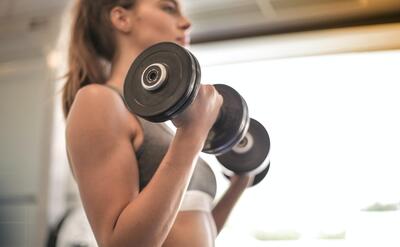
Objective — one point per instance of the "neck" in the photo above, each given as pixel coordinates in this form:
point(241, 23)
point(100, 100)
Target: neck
point(120, 66)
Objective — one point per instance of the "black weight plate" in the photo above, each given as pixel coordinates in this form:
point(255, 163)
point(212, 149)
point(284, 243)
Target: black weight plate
point(162, 104)
point(252, 158)
point(190, 98)
point(231, 125)
point(260, 176)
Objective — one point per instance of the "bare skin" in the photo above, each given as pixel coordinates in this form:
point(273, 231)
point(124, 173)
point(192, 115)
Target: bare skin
point(102, 136)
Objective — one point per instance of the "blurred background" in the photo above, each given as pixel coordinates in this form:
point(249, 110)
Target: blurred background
point(321, 75)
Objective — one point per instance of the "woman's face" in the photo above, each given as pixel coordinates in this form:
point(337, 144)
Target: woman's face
point(159, 20)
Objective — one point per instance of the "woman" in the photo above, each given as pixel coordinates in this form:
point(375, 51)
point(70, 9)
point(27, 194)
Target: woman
point(140, 184)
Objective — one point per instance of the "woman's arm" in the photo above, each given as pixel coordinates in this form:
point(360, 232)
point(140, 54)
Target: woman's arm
point(106, 170)
point(147, 220)
point(225, 205)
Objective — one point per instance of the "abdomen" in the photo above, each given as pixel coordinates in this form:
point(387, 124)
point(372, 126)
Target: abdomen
point(192, 228)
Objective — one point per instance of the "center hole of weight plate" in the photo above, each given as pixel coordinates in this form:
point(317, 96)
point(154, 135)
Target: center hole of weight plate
point(152, 76)
point(243, 142)
point(245, 145)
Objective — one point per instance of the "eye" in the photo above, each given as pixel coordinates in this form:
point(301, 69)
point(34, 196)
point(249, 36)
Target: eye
point(170, 8)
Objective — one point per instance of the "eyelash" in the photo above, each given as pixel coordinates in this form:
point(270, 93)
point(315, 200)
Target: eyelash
point(170, 9)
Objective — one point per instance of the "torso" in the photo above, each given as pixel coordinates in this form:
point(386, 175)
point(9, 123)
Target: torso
point(191, 228)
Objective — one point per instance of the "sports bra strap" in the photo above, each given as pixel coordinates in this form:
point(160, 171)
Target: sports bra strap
point(138, 152)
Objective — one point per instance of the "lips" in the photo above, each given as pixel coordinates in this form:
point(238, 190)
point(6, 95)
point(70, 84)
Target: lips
point(184, 41)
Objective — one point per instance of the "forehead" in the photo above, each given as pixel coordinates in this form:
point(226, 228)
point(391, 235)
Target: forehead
point(178, 2)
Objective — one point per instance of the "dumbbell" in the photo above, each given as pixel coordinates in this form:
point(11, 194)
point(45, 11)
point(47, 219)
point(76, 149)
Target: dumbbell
point(164, 80)
point(250, 155)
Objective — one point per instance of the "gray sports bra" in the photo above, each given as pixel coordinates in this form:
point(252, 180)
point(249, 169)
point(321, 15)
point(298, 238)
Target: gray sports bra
point(157, 138)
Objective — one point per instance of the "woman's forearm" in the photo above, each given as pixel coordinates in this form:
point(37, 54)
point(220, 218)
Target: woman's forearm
point(147, 220)
point(225, 205)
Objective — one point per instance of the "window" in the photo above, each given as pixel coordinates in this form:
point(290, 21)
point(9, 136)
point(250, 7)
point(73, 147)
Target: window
point(335, 138)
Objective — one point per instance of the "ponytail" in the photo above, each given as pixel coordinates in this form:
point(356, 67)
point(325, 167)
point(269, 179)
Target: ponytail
point(92, 41)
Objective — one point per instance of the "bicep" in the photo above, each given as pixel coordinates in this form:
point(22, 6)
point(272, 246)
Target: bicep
point(107, 184)
point(105, 168)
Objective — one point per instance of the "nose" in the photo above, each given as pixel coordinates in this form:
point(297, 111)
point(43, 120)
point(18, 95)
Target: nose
point(184, 23)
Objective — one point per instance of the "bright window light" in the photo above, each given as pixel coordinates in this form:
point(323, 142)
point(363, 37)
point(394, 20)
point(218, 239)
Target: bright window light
point(335, 142)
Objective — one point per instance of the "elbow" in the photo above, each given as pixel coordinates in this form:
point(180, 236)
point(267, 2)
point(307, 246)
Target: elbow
point(134, 243)
point(143, 241)
point(132, 234)
point(108, 240)
point(105, 242)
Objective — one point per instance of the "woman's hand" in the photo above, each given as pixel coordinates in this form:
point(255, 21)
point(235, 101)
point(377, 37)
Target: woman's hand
point(200, 116)
point(242, 180)
point(225, 206)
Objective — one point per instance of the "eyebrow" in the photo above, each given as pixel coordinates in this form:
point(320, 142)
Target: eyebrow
point(172, 1)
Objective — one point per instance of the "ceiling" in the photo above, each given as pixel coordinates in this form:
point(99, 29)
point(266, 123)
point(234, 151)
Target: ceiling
point(22, 8)
point(229, 19)
point(26, 23)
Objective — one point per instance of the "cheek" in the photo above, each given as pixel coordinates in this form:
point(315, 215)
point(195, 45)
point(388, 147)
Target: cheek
point(161, 23)
point(164, 28)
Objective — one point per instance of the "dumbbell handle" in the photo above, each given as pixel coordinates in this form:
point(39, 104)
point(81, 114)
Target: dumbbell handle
point(256, 178)
point(223, 127)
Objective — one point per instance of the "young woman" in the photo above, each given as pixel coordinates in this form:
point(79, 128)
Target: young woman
point(140, 184)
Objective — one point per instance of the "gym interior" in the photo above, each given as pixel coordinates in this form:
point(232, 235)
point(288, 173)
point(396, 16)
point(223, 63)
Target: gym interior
point(321, 76)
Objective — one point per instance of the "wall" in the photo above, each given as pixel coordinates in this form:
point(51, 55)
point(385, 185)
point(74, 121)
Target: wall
point(26, 106)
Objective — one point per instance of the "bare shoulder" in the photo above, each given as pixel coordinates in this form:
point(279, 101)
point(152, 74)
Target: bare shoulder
point(100, 107)
point(97, 99)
